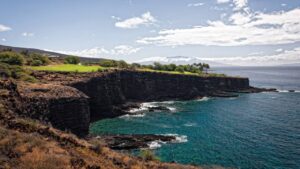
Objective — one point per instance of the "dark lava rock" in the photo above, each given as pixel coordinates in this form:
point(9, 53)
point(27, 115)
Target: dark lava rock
point(129, 142)
point(158, 108)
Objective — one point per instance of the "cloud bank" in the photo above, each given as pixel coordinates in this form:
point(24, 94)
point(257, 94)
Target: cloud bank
point(243, 29)
point(101, 51)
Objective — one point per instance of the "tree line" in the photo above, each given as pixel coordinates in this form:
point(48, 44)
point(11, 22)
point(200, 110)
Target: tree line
point(192, 68)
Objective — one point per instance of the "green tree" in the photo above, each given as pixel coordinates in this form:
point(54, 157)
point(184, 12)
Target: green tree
point(135, 66)
point(122, 64)
point(36, 59)
point(205, 67)
point(180, 69)
point(12, 58)
point(157, 66)
point(72, 60)
point(108, 63)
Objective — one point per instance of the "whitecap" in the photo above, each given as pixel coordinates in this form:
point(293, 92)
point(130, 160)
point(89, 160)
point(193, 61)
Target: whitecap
point(154, 144)
point(283, 91)
point(168, 102)
point(178, 138)
point(172, 109)
point(288, 91)
point(133, 115)
point(190, 124)
point(203, 99)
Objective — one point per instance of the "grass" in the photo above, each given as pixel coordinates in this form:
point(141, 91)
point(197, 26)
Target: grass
point(186, 73)
point(67, 68)
point(170, 72)
point(84, 68)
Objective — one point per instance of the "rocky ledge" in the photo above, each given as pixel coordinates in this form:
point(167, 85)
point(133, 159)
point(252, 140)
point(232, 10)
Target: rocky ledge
point(134, 141)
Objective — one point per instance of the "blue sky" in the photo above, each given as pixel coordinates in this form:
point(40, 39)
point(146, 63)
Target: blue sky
point(239, 32)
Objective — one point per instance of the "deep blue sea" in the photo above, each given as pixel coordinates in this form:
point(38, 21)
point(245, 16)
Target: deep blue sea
point(252, 131)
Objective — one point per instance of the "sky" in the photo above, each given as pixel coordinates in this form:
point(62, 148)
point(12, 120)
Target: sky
point(236, 32)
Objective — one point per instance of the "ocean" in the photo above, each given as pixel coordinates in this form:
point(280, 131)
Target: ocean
point(259, 130)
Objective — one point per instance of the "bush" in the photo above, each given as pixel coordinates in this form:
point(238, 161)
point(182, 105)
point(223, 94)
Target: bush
point(122, 64)
point(35, 59)
point(180, 69)
point(12, 58)
point(16, 72)
point(72, 60)
point(148, 155)
point(4, 70)
point(108, 63)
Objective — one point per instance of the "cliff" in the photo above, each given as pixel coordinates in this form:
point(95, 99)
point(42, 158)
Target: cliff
point(69, 101)
point(64, 107)
point(108, 92)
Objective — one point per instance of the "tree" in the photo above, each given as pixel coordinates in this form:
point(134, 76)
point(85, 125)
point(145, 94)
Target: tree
point(135, 66)
point(157, 66)
point(180, 69)
point(205, 67)
point(36, 59)
point(122, 64)
point(108, 63)
point(12, 58)
point(72, 60)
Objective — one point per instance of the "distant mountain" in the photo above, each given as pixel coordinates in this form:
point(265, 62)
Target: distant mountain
point(289, 65)
point(180, 60)
point(48, 53)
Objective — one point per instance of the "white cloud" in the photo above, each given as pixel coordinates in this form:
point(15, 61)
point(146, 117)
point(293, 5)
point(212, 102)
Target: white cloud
point(101, 51)
point(124, 50)
point(283, 4)
point(4, 28)
point(145, 19)
point(240, 4)
point(3, 39)
point(27, 34)
point(195, 4)
point(279, 50)
point(286, 57)
point(240, 18)
point(116, 18)
point(222, 1)
point(244, 29)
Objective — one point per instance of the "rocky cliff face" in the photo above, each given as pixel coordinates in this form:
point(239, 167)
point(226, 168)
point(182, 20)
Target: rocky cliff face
point(109, 91)
point(64, 107)
point(70, 101)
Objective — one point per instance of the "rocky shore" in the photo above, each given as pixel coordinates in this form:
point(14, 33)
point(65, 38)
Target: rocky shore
point(69, 102)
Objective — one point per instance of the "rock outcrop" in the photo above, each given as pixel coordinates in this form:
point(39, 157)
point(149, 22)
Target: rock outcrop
point(111, 90)
point(64, 107)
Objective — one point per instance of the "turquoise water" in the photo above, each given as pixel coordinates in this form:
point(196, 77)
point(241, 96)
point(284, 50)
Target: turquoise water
point(251, 131)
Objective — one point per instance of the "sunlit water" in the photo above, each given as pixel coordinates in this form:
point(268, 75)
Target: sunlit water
point(251, 131)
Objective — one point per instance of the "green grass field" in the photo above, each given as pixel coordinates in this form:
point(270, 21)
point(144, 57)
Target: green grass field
point(67, 68)
point(186, 73)
point(82, 68)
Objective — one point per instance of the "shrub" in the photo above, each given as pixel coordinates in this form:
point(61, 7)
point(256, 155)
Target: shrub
point(122, 64)
point(108, 63)
point(35, 59)
point(72, 60)
point(180, 69)
point(135, 66)
point(16, 72)
point(4, 70)
point(148, 155)
point(12, 58)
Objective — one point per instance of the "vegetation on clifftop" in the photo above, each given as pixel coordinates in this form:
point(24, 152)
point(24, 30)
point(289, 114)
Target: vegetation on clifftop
point(18, 66)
